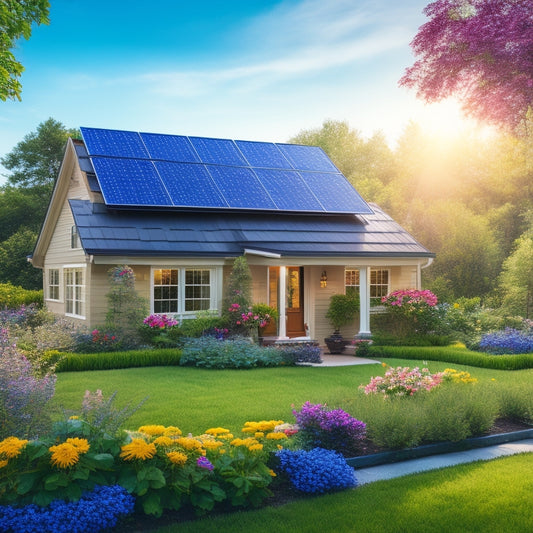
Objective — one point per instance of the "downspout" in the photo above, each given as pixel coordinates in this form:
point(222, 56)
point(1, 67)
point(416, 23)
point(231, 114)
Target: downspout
point(429, 262)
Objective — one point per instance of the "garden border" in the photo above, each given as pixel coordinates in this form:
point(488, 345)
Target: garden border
point(396, 456)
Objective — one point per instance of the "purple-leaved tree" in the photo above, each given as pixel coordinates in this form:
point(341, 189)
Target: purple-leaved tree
point(480, 51)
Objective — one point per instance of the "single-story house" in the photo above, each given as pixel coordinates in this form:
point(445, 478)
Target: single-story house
point(179, 209)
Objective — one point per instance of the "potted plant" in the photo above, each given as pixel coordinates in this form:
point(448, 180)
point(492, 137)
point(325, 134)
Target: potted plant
point(342, 310)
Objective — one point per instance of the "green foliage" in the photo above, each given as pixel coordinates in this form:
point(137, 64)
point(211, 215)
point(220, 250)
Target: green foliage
point(126, 309)
point(205, 322)
point(16, 20)
point(14, 265)
point(237, 293)
point(342, 309)
point(13, 297)
point(209, 352)
point(516, 279)
point(76, 362)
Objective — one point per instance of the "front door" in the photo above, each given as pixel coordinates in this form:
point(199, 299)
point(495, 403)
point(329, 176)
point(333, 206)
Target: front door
point(295, 302)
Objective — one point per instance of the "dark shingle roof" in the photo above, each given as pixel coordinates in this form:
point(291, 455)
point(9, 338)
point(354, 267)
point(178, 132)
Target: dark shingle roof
point(210, 234)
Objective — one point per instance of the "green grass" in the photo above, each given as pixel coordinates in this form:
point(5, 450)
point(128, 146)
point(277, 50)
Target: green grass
point(492, 497)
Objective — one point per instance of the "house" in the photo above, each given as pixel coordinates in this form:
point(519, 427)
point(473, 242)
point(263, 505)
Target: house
point(178, 210)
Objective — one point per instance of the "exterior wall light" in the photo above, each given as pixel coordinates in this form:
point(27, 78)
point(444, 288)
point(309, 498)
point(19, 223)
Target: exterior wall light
point(323, 279)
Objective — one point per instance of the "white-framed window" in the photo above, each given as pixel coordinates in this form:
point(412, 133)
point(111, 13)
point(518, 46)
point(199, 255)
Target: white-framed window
point(74, 238)
point(53, 284)
point(74, 291)
point(379, 283)
point(183, 290)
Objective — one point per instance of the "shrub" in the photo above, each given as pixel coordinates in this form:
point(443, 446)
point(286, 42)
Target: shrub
point(205, 323)
point(12, 297)
point(299, 353)
point(208, 352)
point(509, 341)
point(97, 510)
point(23, 395)
point(317, 470)
point(402, 381)
point(331, 429)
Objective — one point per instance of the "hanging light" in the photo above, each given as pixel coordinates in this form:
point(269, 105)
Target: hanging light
point(323, 279)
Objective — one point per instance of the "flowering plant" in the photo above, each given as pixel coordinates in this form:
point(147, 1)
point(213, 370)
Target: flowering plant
point(156, 321)
point(331, 429)
point(249, 318)
point(402, 381)
point(509, 341)
point(122, 275)
point(317, 470)
point(411, 299)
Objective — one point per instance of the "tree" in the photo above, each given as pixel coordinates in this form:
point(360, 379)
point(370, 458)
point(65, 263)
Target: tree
point(35, 160)
point(516, 279)
point(14, 265)
point(480, 51)
point(16, 19)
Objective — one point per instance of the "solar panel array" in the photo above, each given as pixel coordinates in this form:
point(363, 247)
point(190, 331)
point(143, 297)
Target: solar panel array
point(173, 171)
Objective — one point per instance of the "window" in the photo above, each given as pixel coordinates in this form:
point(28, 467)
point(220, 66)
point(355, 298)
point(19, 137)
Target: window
point(182, 290)
point(53, 284)
point(74, 291)
point(74, 238)
point(379, 283)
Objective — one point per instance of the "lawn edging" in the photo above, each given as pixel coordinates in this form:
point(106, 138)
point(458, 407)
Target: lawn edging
point(396, 456)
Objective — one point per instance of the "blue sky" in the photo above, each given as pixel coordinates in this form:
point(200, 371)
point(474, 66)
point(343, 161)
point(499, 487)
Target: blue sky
point(254, 70)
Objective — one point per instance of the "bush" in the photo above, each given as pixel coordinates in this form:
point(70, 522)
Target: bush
point(208, 352)
point(23, 395)
point(205, 323)
point(299, 353)
point(12, 297)
point(510, 341)
point(331, 429)
point(317, 470)
point(97, 510)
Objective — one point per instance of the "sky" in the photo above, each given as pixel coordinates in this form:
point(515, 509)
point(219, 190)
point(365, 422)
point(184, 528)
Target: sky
point(253, 70)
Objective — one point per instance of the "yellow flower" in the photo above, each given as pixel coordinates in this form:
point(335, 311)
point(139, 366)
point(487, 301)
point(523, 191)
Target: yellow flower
point(74, 417)
point(263, 425)
point(276, 436)
point(210, 443)
point(82, 445)
point(225, 436)
point(244, 442)
point(255, 447)
point(189, 443)
point(259, 434)
point(164, 441)
point(172, 431)
point(456, 305)
point(217, 431)
point(177, 458)
point(12, 446)
point(272, 473)
point(3, 463)
point(138, 449)
point(64, 455)
point(153, 430)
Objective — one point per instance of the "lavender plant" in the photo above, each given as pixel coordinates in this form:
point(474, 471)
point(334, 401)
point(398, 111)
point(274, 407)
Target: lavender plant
point(331, 429)
point(23, 395)
point(509, 341)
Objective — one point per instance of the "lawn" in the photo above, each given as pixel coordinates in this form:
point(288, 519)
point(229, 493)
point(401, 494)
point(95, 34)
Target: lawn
point(492, 496)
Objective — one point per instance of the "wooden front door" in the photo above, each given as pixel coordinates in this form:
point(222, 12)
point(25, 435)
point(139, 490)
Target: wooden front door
point(295, 302)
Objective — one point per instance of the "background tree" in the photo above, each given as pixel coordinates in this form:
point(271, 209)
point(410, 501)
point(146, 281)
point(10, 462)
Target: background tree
point(481, 51)
point(16, 20)
point(14, 266)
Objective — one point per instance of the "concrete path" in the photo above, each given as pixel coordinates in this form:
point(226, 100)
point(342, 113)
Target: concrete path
point(404, 468)
point(344, 360)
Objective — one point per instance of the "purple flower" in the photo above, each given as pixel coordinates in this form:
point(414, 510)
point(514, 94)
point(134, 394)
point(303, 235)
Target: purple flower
point(204, 462)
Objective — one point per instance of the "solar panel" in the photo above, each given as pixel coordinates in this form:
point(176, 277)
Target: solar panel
point(114, 143)
point(148, 169)
point(189, 185)
point(335, 193)
point(307, 157)
point(170, 147)
point(263, 155)
point(241, 188)
point(130, 182)
point(288, 190)
point(217, 151)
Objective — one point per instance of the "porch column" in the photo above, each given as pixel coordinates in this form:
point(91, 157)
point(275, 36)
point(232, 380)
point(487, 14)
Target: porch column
point(364, 302)
point(282, 331)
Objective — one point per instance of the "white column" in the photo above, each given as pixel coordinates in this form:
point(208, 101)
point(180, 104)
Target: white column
point(364, 302)
point(282, 331)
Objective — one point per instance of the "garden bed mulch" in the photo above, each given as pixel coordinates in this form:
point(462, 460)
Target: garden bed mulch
point(283, 493)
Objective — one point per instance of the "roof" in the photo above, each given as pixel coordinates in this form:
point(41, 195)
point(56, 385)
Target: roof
point(106, 231)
